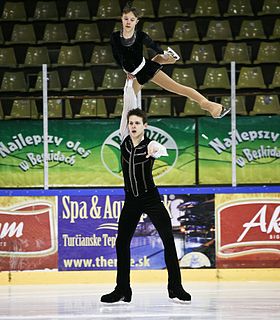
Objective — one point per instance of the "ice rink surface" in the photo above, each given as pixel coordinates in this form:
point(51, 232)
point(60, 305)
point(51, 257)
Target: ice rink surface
point(211, 301)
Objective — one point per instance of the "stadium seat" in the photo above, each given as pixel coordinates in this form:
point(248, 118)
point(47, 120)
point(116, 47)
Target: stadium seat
point(22, 33)
point(239, 8)
point(80, 80)
point(269, 52)
point(77, 10)
point(155, 30)
point(14, 11)
point(216, 78)
point(276, 79)
point(169, 8)
point(108, 9)
point(266, 104)
point(236, 51)
point(192, 108)
point(146, 7)
point(45, 10)
point(276, 30)
point(69, 56)
point(102, 55)
point(113, 79)
point(118, 108)
point(250, 77)
point(239, 104)
point(160, 107)
point(92, 108)
point(206, 8)
point(270, 7)
point(185, 31)
point(87, 32)
point(184, 76)
point(7, 57)
point(202, 53)
point(54, 33)
point(23, 109)
point(36, 56)
point(53, 82)
point(55, 109)
point(13, 81)
point(218, 30)
point(251, 29)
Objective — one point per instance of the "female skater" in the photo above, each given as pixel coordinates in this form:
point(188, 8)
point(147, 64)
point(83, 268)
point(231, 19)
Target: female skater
point(141, 195)
point(127, 48)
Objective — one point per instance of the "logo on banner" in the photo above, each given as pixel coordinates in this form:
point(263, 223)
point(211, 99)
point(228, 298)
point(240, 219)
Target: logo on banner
point(27, 230)
point(110, 152)
point(249, 227)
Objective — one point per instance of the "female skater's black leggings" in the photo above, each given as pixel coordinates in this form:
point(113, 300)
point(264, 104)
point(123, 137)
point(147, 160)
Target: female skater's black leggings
point(150, 203)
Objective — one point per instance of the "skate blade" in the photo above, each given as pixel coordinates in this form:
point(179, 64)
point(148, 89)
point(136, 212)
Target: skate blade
point(224, 113)
point(176, 300)
point(173, 53)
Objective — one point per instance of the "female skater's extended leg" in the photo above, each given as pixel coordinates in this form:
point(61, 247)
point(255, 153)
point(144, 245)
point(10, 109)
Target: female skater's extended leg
point(163, 80)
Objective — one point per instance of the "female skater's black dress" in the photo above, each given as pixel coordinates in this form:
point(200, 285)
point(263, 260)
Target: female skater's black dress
point(129, 54)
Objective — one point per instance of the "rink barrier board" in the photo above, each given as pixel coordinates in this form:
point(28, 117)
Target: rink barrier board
point(137, 276)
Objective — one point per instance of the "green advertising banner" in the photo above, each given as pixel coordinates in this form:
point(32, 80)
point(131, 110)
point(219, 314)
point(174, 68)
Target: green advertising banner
point(86, 152)
point(257, 150)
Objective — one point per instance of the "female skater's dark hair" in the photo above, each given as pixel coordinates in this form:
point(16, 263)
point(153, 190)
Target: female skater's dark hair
point(129, 8)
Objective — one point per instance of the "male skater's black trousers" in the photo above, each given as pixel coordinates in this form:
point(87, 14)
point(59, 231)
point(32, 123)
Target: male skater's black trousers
point(149, 203)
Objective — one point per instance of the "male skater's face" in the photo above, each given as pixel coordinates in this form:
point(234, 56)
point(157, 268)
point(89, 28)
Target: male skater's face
point(136, 126)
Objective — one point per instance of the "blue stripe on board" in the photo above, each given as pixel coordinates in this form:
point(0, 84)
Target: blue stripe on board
point(119, 191)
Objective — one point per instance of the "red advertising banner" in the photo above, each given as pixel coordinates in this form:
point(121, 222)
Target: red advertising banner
point(248, 231)
point(28, 237)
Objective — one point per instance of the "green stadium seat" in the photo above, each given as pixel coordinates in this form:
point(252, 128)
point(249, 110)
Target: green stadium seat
point(266, 104)
point(7, 57)
point(54, 33)
point(102, 55)
point(13, 81)
point(270, 7)
point(108, 9)
point(36, 56)
point(92, 108)
point(55, 109)
point(77, 10)
point(236, 51)
point(250, 77)
point(216, 78)
point(239, 104)
point(13, 11)
point(70, 56)
point(113, 79)
point(160, 107)
point(276, 79)
point(218, 30)
point(87, 32)
point(239, 8)
point(155, 30)
point(276, 30)
point(206, 8)
point(169, 8)
point(45, 10)
point(185, 31)
point(53, 82)
point(146, 7)
point(251, 29)
point(202, 53)
point(192, 108)
point(22, 33)
point(80, 80)
point(269, 52)
point(118, 108)
point(184, 76)
point(23, 109)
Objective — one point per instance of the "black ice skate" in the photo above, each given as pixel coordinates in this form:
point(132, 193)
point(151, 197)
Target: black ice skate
point(179, 295)
point(117, 296)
